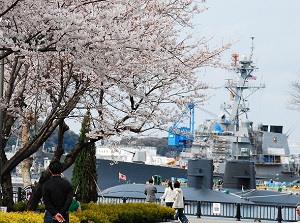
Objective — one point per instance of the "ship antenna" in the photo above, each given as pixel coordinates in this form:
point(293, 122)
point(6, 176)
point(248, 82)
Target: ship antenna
point(252, 47)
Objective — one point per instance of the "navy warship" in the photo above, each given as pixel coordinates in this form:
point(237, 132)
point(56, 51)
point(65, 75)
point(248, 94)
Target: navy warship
point(230, 136)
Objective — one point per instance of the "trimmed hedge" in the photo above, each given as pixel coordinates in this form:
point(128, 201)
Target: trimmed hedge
point(99, 213)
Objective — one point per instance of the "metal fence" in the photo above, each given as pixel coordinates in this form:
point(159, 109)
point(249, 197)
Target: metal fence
point(22, 194)
point(257, 212)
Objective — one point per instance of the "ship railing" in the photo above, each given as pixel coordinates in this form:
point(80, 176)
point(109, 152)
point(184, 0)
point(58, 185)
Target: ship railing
point(211, 133)
point(246, 85)
point(256, 212)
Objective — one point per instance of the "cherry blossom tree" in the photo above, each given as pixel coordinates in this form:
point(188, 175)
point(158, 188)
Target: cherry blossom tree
point(130, 63)
point(294, 99)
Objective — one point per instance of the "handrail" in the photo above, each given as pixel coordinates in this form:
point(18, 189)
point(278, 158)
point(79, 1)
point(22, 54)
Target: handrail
point(237, 211)
point(257, 212)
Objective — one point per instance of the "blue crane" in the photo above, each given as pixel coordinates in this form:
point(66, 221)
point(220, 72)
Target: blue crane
point(182, 135)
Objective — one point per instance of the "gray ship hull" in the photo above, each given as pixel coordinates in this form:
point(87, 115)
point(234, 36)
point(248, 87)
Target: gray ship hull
point(136, 173)
point(139, 173)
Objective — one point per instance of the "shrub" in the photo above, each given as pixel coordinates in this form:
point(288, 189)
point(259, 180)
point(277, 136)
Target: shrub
point(98, 213)
point(20, 206)
point(21, 217)
point(41, 207)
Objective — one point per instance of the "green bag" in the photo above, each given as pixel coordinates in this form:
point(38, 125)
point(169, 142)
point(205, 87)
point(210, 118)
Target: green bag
point(74, 205)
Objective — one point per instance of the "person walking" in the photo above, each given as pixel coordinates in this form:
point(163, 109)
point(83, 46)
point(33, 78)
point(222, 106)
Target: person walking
point(168, 195)
point(150, 191)
point(298, 211)
point(179, 203)
point(57, 195)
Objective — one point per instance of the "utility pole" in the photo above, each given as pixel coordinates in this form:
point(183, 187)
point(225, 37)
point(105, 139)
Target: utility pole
point(1, 116)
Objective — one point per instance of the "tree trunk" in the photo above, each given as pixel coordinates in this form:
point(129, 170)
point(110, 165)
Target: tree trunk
point(26, 165)
point(37, 192)
point(69, 160)
point(7, 192)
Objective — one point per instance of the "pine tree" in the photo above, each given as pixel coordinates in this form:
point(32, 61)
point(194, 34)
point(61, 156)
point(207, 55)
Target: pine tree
point(84, 173)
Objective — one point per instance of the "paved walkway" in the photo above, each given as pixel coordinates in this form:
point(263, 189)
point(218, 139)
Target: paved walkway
point(214, 220)
point(194, 219)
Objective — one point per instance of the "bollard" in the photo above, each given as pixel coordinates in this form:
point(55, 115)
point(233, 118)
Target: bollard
point(124, 199)
point(198, 214)
point(20, 194)
point(279, 215)
point(238, 212)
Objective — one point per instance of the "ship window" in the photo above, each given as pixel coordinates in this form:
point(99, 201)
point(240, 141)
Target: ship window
point(271, 159)
point(276, 129)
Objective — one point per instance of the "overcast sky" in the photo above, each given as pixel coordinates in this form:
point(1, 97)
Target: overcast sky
point(276, 27)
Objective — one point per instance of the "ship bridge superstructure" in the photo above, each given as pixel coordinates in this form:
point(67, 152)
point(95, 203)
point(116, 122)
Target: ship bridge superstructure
point(232, 136)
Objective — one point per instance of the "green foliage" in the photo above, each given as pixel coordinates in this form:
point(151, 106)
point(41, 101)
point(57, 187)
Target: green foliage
point(85, 170)
point(41, 207)
point(69, 141)
point(101, 213)
point(20, 206)
point(125, 212)
point(93, 216)
point(21, 217)
point(28, 217)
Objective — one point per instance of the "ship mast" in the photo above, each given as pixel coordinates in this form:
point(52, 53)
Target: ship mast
point(244, 68)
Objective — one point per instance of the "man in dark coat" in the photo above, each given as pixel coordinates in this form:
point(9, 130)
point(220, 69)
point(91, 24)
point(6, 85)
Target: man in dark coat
point(57, 195)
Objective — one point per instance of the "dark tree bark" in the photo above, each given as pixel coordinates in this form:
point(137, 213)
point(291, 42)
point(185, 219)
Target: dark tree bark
point(69, 160)
point(7, 192)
